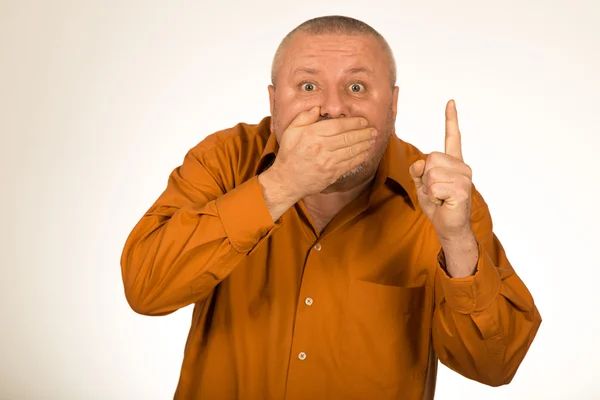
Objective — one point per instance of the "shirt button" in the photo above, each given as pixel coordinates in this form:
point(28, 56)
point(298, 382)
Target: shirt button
point(302, 356)
point(317, 247)
point(308, 301)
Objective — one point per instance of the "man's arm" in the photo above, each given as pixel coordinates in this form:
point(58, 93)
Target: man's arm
point(193, 236)
point(483, 324)
point(484, 319)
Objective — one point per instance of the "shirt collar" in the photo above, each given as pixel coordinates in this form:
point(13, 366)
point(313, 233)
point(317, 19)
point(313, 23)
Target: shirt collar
point(393, 168)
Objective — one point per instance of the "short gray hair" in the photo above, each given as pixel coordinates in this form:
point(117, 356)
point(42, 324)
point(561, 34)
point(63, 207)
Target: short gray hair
point(335, 25)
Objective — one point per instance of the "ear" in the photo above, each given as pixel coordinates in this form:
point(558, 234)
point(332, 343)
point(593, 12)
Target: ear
point(271, 98)
point(395, 92)
point(271, 89)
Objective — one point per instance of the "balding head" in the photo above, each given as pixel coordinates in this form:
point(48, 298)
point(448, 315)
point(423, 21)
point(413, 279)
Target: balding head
point(346, 69)
point(334, 25)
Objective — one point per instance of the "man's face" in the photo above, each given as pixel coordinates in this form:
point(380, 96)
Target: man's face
point(347, 76)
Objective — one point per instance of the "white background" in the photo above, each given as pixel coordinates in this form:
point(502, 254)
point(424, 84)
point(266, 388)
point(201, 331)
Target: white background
point(100, 100)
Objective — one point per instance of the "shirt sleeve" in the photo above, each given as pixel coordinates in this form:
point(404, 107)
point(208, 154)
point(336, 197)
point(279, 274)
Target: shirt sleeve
point(484, 324)
point(193, 236)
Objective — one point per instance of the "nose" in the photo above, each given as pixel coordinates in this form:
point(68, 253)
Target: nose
point(334, 104)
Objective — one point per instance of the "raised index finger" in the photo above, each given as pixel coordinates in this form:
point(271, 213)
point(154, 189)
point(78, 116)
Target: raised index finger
point(453, 145)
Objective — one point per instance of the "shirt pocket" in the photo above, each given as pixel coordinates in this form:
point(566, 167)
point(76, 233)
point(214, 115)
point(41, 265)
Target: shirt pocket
point(385, 337)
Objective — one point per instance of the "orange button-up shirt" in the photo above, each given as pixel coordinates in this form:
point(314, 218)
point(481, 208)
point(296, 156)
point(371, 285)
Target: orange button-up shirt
point(362, 310)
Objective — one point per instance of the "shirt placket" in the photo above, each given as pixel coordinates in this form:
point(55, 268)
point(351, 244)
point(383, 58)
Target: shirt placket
point(303, 350)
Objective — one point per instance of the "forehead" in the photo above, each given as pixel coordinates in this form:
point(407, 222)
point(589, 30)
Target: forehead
point(332, 52)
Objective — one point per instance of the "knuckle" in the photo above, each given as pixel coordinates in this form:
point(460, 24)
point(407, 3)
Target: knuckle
point(351, 151)
point(431, 175)
point(346, 138)
point(468, 171)
point(320, 164)
point(434, 157)
point(314, 148)
point(433, 190)
point(460, 195)
point(466, 190)
point(306, 132)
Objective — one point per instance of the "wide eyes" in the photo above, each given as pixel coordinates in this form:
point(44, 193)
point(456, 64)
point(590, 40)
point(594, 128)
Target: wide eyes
point(356, 88)
point(353, 88)
point(308, 87)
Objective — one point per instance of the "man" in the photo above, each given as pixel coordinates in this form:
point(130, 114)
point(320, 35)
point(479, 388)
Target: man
point(325, 257)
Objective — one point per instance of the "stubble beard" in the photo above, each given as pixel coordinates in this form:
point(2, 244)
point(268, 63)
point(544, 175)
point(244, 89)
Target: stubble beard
point(372, 163)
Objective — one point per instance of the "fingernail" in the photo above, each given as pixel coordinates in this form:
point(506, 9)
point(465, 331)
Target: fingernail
point(374, 132)
point(364, 122)
point(372, 142)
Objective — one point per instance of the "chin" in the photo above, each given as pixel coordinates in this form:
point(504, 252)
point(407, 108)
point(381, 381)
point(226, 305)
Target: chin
point(349, 180)
point(356, 172)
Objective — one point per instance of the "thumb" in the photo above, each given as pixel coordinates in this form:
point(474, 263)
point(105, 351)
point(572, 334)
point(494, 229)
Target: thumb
point(416, 172)
point(306, 117)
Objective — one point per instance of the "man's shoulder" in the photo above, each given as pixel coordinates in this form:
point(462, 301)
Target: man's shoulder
point(241, 134)
point(249, 139)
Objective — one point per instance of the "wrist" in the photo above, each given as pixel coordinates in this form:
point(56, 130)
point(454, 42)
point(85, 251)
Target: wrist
point(458, 241)
point(461, 254)
point(278, 186)
point(277, 193)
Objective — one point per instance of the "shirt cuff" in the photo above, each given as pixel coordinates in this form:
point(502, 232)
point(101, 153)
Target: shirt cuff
point(472, 293)
point(245, 216)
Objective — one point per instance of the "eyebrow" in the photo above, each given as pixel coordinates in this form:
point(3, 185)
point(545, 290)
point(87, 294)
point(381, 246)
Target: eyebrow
point(309, 71)
point(359, 70)
point(356, 70)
